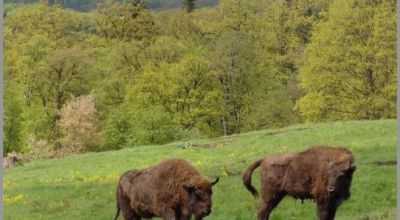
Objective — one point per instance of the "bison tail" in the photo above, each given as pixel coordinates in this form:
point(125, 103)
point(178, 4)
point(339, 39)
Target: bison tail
point(116, 216)
point(246, 177)
point(118, 209)
point(117, 197)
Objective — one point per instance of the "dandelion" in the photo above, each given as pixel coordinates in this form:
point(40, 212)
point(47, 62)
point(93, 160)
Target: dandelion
point(6, 183)
point(12, 199)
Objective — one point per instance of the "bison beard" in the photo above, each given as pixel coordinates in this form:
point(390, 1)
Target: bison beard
point(172, 189)
point(321, 173)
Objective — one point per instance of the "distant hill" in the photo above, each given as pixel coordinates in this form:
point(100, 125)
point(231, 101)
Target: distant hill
point(87, 5)
point(166, 4)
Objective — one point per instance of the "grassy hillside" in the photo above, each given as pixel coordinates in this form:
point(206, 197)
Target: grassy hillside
point(83, 187)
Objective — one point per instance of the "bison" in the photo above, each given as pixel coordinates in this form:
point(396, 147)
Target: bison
point(171, 189)
point(321, 173)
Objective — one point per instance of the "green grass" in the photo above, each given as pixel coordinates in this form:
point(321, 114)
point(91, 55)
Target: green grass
point(83, 187)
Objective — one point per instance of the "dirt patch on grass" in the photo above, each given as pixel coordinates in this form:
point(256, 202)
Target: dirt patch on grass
point(282, 132)
point(203, 145)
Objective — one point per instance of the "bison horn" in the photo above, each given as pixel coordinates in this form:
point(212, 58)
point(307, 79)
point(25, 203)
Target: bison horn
point(352, 168)
point(215, 181)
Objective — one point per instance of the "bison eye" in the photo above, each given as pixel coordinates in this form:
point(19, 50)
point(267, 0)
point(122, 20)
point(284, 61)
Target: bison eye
point(199, 194)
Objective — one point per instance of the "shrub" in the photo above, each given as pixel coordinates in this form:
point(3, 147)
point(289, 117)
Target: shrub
point(135, 125)
point(78, 124)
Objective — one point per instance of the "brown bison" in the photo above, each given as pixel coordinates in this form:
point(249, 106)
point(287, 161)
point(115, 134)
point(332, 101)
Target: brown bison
point(171, 189)
point(321, 173)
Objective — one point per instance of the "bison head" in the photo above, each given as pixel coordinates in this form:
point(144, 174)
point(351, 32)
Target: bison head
point(199, 191)
point(340, 176)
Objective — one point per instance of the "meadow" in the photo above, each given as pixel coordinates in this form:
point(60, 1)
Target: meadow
point(83, 186)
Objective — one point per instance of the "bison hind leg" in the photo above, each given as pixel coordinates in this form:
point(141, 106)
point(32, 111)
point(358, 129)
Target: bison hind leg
point(127, 212)
point(268, 202)
point(131, 216)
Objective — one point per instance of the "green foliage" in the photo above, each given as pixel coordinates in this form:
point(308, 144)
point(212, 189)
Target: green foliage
point(8, 8)
point(159, 76)
point(13, 119)
point(134, 125)
point(349, 69)
point(151, 126)
point(54, 81)
point(117, 130)
point(124, 21)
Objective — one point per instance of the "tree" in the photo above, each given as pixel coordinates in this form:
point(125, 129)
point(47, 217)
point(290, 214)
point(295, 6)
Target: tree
point(189, 5)
point(254, 54)
point(130, 125)
point(349, 69)
point(13, 118)
point(185, 89)
point(124, 21)
point(54, 80)
point(78, 124)
point(53, 22)
point(234, 67)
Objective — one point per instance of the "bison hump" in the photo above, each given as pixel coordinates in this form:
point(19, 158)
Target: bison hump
point(280, 160)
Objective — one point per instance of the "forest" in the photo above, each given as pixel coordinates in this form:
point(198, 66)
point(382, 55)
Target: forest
point(119, 74)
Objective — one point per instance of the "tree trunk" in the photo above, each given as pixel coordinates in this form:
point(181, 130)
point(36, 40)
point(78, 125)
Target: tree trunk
point(224, 126)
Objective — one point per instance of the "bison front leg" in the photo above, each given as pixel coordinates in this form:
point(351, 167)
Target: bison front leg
point(268, 202)
point(326, 210)
point(169, 214)
point(183, 214)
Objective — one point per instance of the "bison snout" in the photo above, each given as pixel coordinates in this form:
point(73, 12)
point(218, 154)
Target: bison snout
point(206, 212)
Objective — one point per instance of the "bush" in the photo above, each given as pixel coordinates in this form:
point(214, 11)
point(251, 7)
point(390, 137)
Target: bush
point(78, 123)
point(134, 125)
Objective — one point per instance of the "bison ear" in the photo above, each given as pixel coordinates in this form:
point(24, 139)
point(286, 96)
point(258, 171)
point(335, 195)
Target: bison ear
point(189, 186)
point(215, 181)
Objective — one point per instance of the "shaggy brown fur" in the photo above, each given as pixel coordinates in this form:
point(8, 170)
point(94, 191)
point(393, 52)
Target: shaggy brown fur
point(172, 189)
point(321, 173)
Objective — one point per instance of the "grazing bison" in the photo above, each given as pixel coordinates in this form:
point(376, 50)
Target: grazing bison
point(171, 189)
point(321, 173)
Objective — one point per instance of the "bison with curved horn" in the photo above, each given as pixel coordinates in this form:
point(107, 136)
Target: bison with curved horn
point(172, 189)
point(321, 173)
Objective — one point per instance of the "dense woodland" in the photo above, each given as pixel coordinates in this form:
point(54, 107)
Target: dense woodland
point(123, 75)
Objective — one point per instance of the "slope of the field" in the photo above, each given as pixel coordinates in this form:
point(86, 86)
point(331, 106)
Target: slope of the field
point(83, 187)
